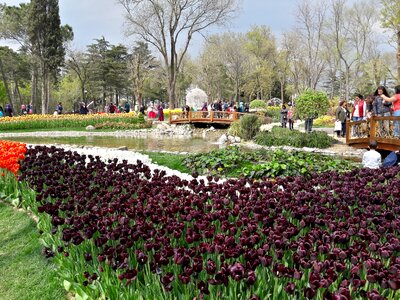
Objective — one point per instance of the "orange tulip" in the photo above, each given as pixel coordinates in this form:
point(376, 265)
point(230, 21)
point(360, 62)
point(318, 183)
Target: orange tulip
point(10, 155)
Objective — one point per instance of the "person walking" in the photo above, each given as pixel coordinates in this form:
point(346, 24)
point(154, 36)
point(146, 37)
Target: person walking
point(341, 115)
point(160, 113)
point(83, 110)
point(127, 107)
point(8, 111)
point(291, 118)
point(284, 116)
point(59, 108)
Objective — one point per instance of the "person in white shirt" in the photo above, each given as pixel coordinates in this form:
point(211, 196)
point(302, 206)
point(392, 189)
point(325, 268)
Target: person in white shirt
point(372, 159)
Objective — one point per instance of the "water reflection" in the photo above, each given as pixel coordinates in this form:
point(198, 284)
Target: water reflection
point(191, 145)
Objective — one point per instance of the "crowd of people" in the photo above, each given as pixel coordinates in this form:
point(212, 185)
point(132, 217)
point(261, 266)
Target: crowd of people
point(221, 109)
point(380, 104)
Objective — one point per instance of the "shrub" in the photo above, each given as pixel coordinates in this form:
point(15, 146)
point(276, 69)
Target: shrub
point(234, 128)
point(249, 126)
point(257, 104)
point(311, 104)
point(285, 137)
point(273, 112)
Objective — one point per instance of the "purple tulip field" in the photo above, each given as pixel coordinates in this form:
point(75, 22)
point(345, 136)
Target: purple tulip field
point(121, 231)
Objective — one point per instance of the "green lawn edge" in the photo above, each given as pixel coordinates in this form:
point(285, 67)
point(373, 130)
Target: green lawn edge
point(24, 272)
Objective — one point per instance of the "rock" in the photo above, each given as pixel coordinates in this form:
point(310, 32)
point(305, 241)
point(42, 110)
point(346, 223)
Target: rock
point(210, 129)
point(122, 148)
point(231, 139)
point(223, 139)
point(237, 139)
point(90, 127)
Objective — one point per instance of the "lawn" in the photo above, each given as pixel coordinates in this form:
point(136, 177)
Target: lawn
point(25, 273)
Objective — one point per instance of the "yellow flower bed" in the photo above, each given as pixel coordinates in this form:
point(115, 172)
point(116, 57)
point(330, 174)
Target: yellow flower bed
point(33, 122)
point(36, 117)
point(324, 121)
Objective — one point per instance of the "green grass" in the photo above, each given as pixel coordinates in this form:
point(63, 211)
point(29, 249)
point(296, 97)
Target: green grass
point(172, 161)
point(24, 272)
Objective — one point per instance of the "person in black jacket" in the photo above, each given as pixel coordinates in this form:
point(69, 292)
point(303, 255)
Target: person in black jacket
point(83, 109)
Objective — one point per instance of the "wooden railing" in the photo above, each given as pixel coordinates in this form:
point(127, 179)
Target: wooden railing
point(222, 117)
point(381, 129)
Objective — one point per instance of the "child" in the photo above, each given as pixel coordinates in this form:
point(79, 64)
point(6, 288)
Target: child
point(372, 159)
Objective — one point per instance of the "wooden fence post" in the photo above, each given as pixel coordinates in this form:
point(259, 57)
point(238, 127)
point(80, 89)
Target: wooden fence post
point(372, 129)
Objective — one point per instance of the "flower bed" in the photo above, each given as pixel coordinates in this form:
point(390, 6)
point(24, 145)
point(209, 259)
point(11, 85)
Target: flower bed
point(10, 154)
point(32, 122)
point(119, 231)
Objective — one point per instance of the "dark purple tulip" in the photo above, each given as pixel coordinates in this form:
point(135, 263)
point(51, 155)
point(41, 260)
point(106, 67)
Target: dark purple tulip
point(88, 256)
point(236, 271)
point(211, 267)
point(309, 293)
point(203, 287)
point(251, 278)
point(185, 279)
point(290, 288)
point(141, 257)
point(394, 284)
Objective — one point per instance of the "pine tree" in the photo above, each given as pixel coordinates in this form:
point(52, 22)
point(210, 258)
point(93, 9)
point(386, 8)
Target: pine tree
point(46, 36)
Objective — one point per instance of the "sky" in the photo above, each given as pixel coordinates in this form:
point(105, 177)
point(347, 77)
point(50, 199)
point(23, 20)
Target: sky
point(92, 19)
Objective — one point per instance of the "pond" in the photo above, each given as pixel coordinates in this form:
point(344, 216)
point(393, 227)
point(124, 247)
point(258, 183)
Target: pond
point(170, 144)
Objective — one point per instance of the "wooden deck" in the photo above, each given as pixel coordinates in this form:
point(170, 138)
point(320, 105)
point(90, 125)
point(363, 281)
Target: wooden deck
point(381, 129)
point(219, 117)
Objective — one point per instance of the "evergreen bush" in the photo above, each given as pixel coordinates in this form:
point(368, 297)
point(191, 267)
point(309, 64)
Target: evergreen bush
point(294, 138)
point(257, 104)
point(249, 126)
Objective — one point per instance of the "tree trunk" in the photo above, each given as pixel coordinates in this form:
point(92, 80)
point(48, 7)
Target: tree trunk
point(347, 79)
point(18, 92)
point(3, 74)
point(45, 95)
point(282, 87)
point(398, 56)
point(34, 89)
point(83, 92)
point(48, 94)
point(139, 100)
point(171, 92)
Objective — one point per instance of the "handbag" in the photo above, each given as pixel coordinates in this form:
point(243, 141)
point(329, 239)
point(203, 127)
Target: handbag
point(338, 125)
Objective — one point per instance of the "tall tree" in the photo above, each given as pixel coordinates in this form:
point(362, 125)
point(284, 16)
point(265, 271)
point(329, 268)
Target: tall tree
point(14, 71)
point(260, 44)
point(391, 20)
point(351, 33)
point(168, 24)
point(47, 38)
point(78, 62)
point(141, 63)
point(14, 25)
point(235, 58)
point(311, 20)
point(108, 68)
